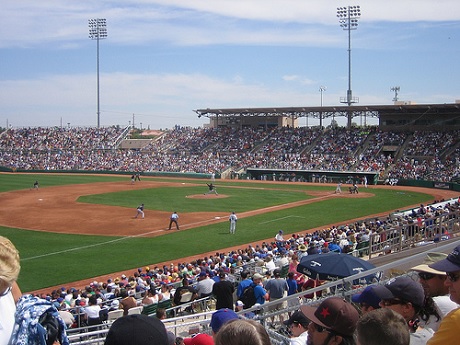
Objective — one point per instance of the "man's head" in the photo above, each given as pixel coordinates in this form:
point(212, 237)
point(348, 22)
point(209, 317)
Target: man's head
point(451, 265)
point(367, 300)
point(257, 278)
point(432, 280)
point(297, 323)
point(220, 317)
point(137, 329)
point(334, 320)
point(382, 327)
point(403, 295)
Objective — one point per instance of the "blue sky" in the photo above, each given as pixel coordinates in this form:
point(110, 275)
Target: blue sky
point(164, 58)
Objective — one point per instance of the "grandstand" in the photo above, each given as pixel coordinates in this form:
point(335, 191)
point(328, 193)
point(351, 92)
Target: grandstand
point(409, 157)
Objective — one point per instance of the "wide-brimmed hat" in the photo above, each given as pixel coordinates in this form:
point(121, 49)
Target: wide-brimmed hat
point(430, 259)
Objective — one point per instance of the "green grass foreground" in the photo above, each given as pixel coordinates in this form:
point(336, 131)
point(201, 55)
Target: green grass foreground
point(50, 259)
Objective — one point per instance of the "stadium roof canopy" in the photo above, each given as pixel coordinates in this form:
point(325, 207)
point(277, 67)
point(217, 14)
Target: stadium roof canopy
point(327, 111)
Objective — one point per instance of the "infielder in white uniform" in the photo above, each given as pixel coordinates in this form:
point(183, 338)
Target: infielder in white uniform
point(232, 219)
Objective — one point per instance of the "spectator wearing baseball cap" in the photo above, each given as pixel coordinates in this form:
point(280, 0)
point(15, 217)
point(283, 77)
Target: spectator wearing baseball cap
point(367, 300)
point(298, 327)
point(220, 317)
point(137, 329)
point(406, 297)
point(333, 321)
point(199, 339)
point(432, 282)
point(260, 293)
point(448, 329)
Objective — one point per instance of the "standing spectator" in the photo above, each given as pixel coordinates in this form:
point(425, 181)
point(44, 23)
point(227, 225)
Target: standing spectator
point(293, 289)
point(9, 290)
point(448, 329)
point(233, 219)
point(223, 291)
point(174, 219)
point(382, 327)
point(260, 293)
point(244, 283)
point(276, 289)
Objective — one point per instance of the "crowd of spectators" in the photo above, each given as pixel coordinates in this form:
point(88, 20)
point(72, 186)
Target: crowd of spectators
point(406, 155)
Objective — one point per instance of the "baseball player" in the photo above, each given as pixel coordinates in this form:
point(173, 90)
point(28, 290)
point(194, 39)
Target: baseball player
point(36, 185)
point(140, 211)
point(232, 219)
point(212, 189)
point(174, 219)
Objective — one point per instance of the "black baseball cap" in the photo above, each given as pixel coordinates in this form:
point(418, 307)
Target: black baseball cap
point(297, 317)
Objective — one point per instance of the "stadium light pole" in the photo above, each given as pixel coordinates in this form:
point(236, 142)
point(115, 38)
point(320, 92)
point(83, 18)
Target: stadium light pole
point(348, 20)
point(97, 31)
point(321, 90)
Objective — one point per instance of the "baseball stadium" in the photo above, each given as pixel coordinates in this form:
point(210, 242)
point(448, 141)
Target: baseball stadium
point(70, 195)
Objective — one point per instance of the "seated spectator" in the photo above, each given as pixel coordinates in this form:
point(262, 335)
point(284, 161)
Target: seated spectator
point(367, 300)
point(242, 332)
point(298, 327)
point(332, 322)
point(406, 297)
point(220, 317)
point(382, 327)
point(137, 329)
point(126, 302)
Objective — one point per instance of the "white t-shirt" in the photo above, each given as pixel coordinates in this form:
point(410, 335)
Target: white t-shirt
point(300, 340)
point(7, 310)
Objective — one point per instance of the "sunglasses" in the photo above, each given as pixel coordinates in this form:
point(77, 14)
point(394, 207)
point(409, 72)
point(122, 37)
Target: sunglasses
point(453, 277)
point(426, 276)
point(321, 329)
point(389, 302)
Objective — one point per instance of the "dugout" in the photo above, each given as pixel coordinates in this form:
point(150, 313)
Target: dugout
point(315, 176)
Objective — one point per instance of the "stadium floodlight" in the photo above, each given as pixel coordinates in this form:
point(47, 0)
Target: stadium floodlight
point(97, 31)
point(321, 90)
point(348, 20)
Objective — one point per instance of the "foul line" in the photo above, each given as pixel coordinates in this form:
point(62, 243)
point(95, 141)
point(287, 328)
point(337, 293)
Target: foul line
point(277, 219)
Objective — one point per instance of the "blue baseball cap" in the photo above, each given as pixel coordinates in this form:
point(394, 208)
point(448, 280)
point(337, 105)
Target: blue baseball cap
point(220, 317)
point(367, 296)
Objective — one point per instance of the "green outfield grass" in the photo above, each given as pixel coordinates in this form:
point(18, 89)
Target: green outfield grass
point(50, 259)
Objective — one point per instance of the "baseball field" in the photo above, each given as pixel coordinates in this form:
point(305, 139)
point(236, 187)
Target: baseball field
point(79, 226)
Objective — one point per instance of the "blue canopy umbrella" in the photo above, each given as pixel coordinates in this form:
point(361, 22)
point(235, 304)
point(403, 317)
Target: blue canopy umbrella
point(332, 266)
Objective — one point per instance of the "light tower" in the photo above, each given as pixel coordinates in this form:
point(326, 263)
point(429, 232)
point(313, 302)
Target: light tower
point(321, 90)
point(97, 31)
point(348, 20)
point(396, 90)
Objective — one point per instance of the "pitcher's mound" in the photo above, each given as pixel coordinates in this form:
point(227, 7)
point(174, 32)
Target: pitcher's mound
point(207, 196)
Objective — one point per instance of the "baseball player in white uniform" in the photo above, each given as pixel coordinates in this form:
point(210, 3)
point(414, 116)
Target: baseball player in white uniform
point(232, 219)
